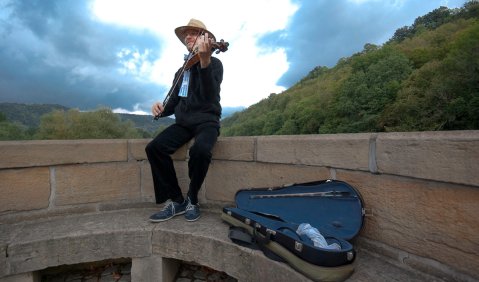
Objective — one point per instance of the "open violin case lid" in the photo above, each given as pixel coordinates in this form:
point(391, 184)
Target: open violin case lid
point(271, 218)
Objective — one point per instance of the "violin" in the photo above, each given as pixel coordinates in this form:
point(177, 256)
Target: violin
point(194, 57)
point(216, 47)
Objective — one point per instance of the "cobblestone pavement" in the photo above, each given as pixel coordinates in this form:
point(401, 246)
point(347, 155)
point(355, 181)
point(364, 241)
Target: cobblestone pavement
point(120, 271)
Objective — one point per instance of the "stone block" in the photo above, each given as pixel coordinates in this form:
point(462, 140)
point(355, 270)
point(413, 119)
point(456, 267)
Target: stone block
point(225, 178)
point(429, 219)
point(348, 151)
point(154, 268)
point(55, 152)
point(95, 183)
point(24, 189)
point(136, 149)
point(235, 148)
point(450, 156)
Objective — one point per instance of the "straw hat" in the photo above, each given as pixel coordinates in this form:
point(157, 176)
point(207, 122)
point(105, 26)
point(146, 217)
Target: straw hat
point(192, 24)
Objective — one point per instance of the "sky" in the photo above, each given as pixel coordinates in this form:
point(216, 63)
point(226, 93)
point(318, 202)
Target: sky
point(122, 54)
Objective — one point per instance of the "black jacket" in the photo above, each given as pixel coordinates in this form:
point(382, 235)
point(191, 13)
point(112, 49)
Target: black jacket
point(203, 102)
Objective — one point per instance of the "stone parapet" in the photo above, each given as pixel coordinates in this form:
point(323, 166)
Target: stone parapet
point(420, 189)
point(54, 152)
point(348, 151)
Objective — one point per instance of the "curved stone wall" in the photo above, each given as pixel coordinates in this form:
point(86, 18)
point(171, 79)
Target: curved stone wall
point(421, 189)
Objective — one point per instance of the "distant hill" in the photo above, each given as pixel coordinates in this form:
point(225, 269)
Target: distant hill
point(30, 115)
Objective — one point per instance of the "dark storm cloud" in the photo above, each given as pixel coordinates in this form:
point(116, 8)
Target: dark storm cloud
point(321, 32)
point(56, 52)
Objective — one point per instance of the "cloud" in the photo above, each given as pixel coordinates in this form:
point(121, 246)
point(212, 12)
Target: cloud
point(56, 52)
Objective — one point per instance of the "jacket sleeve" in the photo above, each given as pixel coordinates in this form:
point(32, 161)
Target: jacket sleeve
point(211, 78)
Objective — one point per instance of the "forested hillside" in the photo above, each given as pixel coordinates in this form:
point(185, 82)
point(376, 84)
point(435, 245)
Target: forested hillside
point(426, 77)
point(45, 121)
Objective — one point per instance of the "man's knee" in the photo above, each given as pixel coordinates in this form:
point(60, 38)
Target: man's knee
point(200, 151)
point(156, 148)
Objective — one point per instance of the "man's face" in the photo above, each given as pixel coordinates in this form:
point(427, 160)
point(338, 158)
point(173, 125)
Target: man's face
point(190, 38)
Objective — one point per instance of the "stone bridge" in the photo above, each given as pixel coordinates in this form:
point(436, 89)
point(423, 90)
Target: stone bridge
point(79, 201)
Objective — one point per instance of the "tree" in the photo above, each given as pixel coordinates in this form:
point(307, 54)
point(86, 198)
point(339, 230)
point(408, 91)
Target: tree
point(12, 131)
point(373, 84)
point(433, 19)
point(73, 124)
point(443, 94)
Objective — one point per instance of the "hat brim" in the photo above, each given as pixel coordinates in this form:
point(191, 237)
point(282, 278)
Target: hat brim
point(180, 32)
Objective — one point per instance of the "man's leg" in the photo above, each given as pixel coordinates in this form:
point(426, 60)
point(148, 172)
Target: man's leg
point(159, 152)
point(200, 159)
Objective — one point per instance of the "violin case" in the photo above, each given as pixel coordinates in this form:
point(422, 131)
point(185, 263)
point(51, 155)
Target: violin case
point(268, 219)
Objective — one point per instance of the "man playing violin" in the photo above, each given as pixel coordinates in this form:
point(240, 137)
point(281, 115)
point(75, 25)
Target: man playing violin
point(195, 102)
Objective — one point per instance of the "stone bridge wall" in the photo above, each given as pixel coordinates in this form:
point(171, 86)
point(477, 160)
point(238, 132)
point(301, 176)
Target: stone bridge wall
point(421, 189)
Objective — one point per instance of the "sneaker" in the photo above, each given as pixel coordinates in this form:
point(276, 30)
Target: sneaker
point(170, 210)
point(192, 211)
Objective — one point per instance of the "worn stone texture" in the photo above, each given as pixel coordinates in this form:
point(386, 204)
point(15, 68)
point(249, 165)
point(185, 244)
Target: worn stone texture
point(69, 240)
point(429, 219)
point(348, 151)
point(225, 178)
point(235, 148)
point(55, 152)
point(94, 183)
point(24, 189)
point(450, 156)
point(49, 212)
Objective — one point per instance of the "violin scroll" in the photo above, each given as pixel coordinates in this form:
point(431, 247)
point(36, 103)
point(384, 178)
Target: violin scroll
point(221, 46)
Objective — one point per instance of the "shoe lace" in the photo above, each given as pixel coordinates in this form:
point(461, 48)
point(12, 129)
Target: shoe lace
point(169, 205)
point(190, 206)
